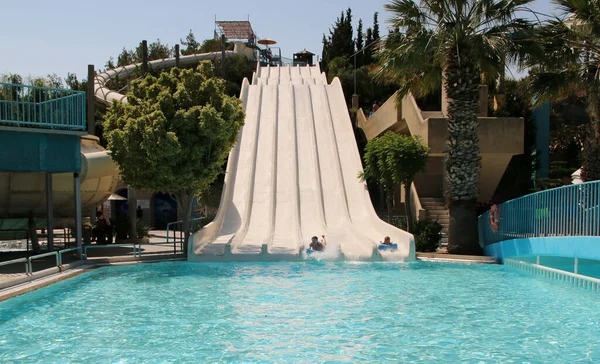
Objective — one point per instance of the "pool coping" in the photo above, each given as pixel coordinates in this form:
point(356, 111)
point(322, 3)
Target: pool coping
point(46, 277)
point(454, 258)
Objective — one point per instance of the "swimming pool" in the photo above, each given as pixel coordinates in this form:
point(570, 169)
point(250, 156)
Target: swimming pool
point(302, 312)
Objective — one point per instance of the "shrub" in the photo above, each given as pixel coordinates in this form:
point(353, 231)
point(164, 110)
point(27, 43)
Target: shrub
point(427, 235)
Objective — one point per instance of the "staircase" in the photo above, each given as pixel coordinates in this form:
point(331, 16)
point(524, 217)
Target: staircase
point(436, 211)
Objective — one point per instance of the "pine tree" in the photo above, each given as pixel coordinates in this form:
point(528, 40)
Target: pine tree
point(340, 42)
point(359, 44)
point(375, 26)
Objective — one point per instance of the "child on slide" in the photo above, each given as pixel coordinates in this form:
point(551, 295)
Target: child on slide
point(317, 245)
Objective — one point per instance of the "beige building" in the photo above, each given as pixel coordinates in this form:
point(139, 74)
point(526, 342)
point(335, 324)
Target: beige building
point(499, 138)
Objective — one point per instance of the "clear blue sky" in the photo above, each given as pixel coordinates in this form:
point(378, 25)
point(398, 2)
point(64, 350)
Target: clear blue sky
point(66, 35)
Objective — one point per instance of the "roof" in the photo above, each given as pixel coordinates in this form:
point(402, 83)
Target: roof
point(236, 29)
point(304, 51)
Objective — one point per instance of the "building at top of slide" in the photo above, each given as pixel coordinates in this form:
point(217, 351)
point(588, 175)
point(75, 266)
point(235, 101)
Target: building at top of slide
point(292, 175)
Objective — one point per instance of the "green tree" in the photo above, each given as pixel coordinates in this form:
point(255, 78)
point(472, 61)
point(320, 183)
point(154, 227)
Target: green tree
point(340, 42)
point(466, 39)
point(359, 43)
point(391, 159)
point(174, 133)
point(568, 56)
point(191, 45)
point(376, 26)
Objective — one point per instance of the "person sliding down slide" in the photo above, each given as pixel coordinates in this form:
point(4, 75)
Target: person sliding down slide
point(317, 245)
point(387, 244)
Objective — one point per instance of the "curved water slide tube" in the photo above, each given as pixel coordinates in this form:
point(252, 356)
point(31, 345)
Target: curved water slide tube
point(293, 174)
point(23, 194)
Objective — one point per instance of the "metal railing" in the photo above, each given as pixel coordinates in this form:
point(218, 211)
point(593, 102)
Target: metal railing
point(572, 210)
point(181, 234)
point(27, 261)
point(136, 250)
point(42, 107)
point(16, 261)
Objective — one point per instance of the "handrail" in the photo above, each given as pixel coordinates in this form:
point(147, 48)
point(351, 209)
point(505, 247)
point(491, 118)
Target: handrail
point(180, 232)
point(415, 203)
point(39, 256)
point(15, 261)
point(135, 249)
point(572, 210)
point(61, 252)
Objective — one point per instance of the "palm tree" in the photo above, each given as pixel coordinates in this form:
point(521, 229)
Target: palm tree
point(567, 58)
point(467, 40)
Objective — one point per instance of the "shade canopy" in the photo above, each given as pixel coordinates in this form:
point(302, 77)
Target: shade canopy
point(115, 197)
point(267, 41)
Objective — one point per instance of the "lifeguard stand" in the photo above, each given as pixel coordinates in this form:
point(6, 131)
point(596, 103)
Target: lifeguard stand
point(303, 58)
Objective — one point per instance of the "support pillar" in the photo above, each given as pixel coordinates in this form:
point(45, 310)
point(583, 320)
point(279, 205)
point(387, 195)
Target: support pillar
point(50, 212)
point(177, 55)
point(131, 211)
point(91, 112)
point(78, 222)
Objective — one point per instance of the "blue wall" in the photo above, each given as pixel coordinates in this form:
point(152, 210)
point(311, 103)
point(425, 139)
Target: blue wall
point(35, 152)
point(587, 247)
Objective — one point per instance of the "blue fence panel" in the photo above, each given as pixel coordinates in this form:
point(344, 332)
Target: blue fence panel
point(564, 211)
point(42, 107)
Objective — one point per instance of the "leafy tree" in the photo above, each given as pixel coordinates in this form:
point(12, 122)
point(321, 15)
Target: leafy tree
point(568, 55)
point(156, 50)
point(391, 159)
point(174, 133)
point(465, 38)
point(191, 45)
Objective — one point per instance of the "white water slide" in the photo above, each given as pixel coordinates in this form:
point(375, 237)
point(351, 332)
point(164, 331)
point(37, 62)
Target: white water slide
point(292, 175)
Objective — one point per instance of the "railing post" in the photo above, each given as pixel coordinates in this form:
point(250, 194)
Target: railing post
point(91, 116)
point(78, 222)
point(177, 55)
point(144, 57)
point(576, 266)
point(50, 214)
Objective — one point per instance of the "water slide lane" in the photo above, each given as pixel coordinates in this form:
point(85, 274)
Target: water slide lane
point(258, 223)
point(340, 230)
point(360, 207)
point(312, 215)
point(286, 236)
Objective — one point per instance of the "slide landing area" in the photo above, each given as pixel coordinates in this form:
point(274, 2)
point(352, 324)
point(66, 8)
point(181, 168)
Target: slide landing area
point(292, 175)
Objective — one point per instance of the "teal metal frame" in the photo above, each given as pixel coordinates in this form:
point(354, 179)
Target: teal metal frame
point(572, 210)
point(42, 107)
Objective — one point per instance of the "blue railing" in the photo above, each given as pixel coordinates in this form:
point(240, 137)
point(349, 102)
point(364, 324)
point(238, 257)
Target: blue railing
point(42, 107)
point(564, 211)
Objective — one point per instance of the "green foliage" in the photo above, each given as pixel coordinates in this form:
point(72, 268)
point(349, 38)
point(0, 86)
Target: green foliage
point(393, 158)
point(191, 45)
point(566, 59)
point(340, 42)
point(427, 235)
point(175, 131)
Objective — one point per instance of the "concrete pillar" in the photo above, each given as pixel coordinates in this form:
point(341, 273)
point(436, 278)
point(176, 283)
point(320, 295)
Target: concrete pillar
point(78, 222)
point(177, 55)
point(50, 212)
point(91, 112)
point(131, 211)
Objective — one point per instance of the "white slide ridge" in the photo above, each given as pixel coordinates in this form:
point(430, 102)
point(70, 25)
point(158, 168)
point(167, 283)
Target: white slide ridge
point(292, 175)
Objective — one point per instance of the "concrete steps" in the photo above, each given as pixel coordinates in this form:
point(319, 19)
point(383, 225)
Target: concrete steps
point(436, 211)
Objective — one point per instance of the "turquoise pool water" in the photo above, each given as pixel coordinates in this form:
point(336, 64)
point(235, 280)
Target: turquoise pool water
point(302, 312)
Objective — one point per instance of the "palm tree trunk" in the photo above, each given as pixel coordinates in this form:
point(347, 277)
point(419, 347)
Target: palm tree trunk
point(463, 164)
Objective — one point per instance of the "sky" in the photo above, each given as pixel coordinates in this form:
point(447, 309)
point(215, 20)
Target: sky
point(63, 36)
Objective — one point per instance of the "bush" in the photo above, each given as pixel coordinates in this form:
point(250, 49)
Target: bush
point(197, 226)
point(427, 235)
point(142, 230)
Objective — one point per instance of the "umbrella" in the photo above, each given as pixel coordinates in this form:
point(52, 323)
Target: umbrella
point(267, 41)
point(115, 197)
